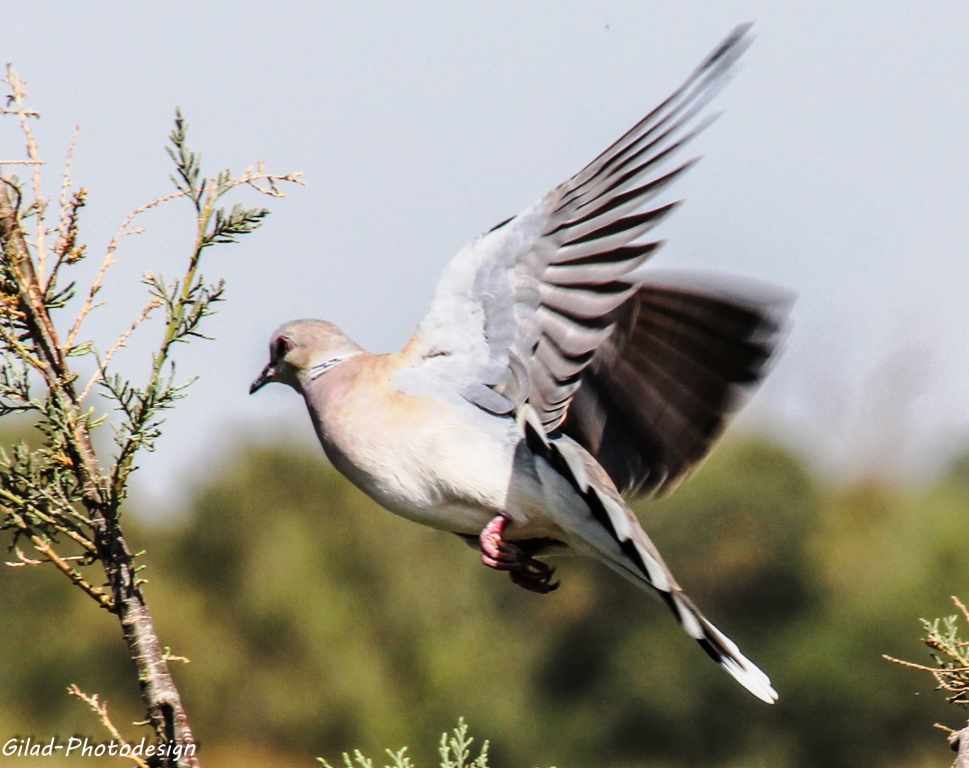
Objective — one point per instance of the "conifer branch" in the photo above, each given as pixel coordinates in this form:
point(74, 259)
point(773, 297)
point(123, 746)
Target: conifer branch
point(59, 496)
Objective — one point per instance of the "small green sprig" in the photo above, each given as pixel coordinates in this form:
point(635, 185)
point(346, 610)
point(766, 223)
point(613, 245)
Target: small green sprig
point(454, 749)
point(951, 670)
point(951, 656)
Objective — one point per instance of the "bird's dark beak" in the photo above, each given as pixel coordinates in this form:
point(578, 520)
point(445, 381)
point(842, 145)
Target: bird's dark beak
point(262, 379)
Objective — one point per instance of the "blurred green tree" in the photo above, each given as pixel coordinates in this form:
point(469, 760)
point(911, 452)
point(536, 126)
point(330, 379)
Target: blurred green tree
point(357, 628)
point(317, 622)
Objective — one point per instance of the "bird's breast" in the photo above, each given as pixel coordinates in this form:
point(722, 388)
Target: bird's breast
point(416, 455)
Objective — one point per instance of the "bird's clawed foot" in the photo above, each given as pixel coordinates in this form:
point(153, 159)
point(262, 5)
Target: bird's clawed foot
point(502, 555)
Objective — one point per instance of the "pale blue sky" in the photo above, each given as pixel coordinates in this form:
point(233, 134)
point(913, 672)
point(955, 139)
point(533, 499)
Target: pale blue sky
point(839, 170)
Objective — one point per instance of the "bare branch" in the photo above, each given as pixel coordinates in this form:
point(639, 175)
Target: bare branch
point(94, 592)
point(19, 93)
point(169, 656)
point(124, 231)
point(958, 604)
point(66, 212)
point(24, 560)
point(66, 249)
point(271, 181)
point(909, 664)
point(121, 342)
point(101, 710)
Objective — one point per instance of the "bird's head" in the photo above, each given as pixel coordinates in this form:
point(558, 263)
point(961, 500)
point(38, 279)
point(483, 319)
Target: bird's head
point(302, 350)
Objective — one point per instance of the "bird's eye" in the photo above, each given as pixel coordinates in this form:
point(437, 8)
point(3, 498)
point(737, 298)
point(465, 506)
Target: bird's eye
point(283, 345)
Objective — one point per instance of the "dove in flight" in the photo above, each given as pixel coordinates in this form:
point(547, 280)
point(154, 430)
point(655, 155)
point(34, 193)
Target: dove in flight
point(552, 376)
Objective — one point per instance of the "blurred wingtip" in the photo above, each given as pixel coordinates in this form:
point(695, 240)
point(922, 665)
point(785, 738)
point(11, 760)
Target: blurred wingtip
point(740, 289)
point(731, 48)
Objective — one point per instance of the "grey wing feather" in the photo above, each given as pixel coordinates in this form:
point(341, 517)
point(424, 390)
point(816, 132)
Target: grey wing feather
point(536, 295)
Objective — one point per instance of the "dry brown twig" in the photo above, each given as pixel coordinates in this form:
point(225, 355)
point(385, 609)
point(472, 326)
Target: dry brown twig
point(24, 560)
point(64, 567)
point(125, 230)
point(18, 90)
point(169, 656)
point(271, 188)
point(118, 344)
point(67, 249)
point(101, 710)
point(66, 213)
point(61, 562)
point(251, 178)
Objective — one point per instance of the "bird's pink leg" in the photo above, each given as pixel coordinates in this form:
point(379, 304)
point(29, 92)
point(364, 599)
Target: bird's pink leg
point(502, 555)
point(495, 551)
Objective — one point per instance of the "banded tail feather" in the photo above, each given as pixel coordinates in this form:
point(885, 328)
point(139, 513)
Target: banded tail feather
point(640, 561)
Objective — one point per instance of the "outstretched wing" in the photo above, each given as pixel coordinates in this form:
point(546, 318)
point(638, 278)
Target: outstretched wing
point(520, 313)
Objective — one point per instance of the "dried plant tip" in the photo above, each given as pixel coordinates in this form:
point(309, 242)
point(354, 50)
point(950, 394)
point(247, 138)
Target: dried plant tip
point(121, 342)
point(101, 710)
point(67, 248)
point(169, 656)
point(961, 607)
point(23, 560)
point(16, 100)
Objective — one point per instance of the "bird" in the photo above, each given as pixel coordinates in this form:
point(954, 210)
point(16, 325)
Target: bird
point(552, 377)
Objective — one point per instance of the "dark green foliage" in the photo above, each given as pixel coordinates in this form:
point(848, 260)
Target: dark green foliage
point(219, 226)
point(188, 164)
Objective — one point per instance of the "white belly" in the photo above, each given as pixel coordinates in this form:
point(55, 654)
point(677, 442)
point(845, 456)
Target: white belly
point(421, 462)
